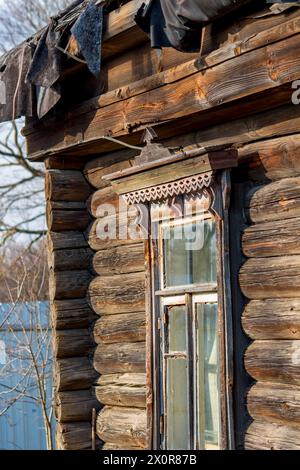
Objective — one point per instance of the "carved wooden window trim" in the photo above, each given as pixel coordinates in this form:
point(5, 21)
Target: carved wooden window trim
point(156, 165)
point(218, 192)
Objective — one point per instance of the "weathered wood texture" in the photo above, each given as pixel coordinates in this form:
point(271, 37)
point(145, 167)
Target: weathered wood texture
point(194, 90)
point(63, 163)
point(63, 185)
point(277, 238)
point(127, 390)
point(118, 358)
point(69, 314)
point(72, 343)
point(275, 201)
point(197, 87)
point(274, 361)
point(121, 233)
point(65, 260)
point(66, 240)
point(178, 166)
point(74, 436)
point(270, 278)
point(122, 426)
point(267, 436)
point(275, 403)
point(74, 374)
point(120, 260)
point(277, 277)
point(122, 328)
point(118, 294)
point(68, 284)
point(105, 197)
point(98, 167)
point(63, 216)
point(272, 159)
point(75, 406)
point(272, 319)
point(69, 259)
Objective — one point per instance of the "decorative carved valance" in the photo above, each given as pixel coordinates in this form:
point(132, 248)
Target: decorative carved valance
point(161, 173)
point(190, 185)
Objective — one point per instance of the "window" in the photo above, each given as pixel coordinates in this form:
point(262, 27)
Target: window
point(191, 364)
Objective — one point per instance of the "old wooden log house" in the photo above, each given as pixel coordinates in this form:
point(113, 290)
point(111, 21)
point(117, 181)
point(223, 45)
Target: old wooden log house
point(173, 210)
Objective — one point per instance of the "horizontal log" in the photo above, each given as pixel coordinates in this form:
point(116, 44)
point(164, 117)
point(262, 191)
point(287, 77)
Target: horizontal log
point(72, 343)
point(75, 406)
point(105, 197)
point(68, 314)
point(118, 358)
point(64, 163)
point(268, 436)
point(74, 374)
point(67, 216)
point(277, 238)
point(272, 159)
point(274, 361)
point(66, 185)
point(124, 328)
point(272, 319)
point(249, 132)
point(68, 284)
point(123, 231)
point(120, 260)
point(66, 240)
point(127, 390)
point(64, 260)
point(98, 167)
point(74, 436)
point(278, 277)
point(275, 403)
point(275, 201)
point(122, 426)
point(118, 294)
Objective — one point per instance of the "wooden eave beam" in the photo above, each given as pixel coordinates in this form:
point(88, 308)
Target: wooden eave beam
point(263, 64)
point(122, 33)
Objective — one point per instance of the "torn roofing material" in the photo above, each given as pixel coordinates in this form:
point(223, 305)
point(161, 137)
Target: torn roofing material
point(30, 74)
point(170, 23)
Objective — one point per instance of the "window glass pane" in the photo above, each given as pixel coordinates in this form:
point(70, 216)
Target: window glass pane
point(189, 253)
point(208, 376)
point(177, 416)
point(177, 327)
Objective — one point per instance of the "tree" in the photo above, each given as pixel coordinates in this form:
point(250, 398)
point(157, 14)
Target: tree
point(25, 349)
point(22, 212)
point(25, 340)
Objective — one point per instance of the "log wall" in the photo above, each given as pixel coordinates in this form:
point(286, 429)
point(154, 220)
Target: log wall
point(117, 296)
point(215, 102)
point(270, 280)
point(70, 265)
